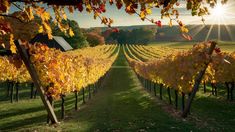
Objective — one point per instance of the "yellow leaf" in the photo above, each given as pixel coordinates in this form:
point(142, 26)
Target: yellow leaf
point(96, 14)
point(148, 11)
point(40, 30)
point(64, 15)
point(45, 16)
point(49, 35)
point(39, 11)
point(170, 24)
point(12, 44)
point(3, 45)
point(71, 10)
point(5, 6)
point(29, 12)
point(88, 8)
point(184, 29)
point(151, 4)
point(47, 29)
point(142, 15)
point(110, 21)
point(71, 33)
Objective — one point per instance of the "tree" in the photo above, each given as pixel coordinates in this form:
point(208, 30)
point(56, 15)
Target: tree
point(95, 39)
point(141, 36)
point(97, 30)
point(106, 34)
point(135, 36)
point(122, 36)
point(76, 41)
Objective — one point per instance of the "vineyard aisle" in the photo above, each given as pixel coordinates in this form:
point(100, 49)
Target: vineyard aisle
point(120, 105)
point(123, 105)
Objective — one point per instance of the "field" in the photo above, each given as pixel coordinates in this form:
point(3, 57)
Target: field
point(122, 104)
point(225, 46)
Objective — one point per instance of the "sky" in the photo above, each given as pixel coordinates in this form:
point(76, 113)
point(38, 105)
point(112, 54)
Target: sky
point(121, 18)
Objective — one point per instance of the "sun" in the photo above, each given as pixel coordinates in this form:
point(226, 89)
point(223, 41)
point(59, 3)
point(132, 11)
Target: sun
point(218, 11)
point(219, 14)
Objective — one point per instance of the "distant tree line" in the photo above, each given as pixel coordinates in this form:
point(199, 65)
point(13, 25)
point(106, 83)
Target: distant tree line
point(98, 36)
point(134, 36)
point(81, 38)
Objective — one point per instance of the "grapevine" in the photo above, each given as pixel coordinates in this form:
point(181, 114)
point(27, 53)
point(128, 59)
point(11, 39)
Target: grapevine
point(61, 72)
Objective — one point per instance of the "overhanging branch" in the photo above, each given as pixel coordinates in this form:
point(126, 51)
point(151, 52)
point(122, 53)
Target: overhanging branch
point(52, 2)
point(4, 15)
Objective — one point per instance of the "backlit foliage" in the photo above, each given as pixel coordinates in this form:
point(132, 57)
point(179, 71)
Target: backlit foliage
point(179, 69)
point(28, 10)
point(61, 72)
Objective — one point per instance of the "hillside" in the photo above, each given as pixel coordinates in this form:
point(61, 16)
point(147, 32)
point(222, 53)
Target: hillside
point(198, 32)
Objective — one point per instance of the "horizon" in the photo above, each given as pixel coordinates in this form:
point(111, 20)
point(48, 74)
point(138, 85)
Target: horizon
point(165, 25)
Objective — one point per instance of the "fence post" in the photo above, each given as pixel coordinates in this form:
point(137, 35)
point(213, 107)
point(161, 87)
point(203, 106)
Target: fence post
point(197, 82)
point(32, 71)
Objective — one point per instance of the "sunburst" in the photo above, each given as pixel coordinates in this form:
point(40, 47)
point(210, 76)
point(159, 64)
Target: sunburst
point(221, 14)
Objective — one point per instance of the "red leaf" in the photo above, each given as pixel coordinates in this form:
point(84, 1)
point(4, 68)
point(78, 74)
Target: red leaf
point(158, 23)
point(177, 4)
point(16, 60)
point(115, 30)
point(102, 8)
point(119, 5)
point(130, 10)
point(110, 2)
point(180, 23)
point(80, 7)
point(135, 6)
point(5, 27)
point(217, 50)
point(187, 37)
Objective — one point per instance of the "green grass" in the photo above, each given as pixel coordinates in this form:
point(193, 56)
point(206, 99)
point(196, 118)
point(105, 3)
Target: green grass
point(225, 46)
point(27, 113)
point(210, 111)
point(121, 104)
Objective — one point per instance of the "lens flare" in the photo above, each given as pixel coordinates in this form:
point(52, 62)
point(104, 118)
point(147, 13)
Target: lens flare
point(218, 11)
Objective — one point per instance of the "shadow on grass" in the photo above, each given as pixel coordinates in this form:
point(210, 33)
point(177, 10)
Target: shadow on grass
point(21, 123)
point(215, 112)
point(10, 113)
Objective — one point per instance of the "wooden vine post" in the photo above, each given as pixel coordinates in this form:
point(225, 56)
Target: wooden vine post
point(169, 94)
point(25, 57)
point(17, 91)
point(76, 100)
point(89, 91)
point(204, 87)
point(83, 96)
point(176, 99)
point(12, 91)
point(155, 91)
point(31, 95)
point(197, 83)
point(62, 106)
point(161, 85)
point(183, 101)
point(8, 88)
